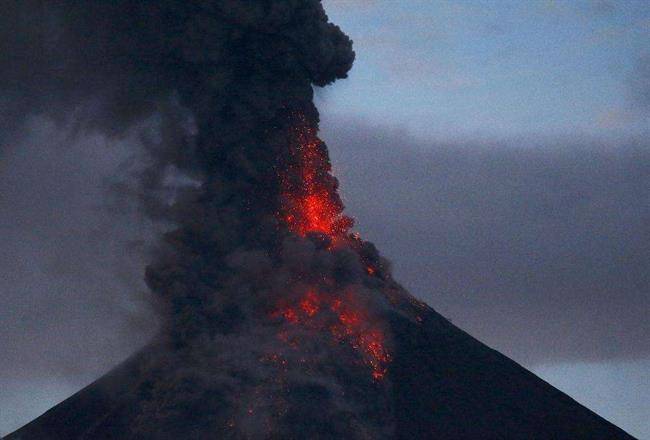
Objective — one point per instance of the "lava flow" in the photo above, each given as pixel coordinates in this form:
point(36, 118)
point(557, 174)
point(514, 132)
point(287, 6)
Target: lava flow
point(311, 205)
point(351, 326)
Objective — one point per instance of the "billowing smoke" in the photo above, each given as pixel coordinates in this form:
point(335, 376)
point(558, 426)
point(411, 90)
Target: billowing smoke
point(272, 309)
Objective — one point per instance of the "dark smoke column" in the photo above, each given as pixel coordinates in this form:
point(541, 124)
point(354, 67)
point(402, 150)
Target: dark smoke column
point(270, 331)
point(278, 323)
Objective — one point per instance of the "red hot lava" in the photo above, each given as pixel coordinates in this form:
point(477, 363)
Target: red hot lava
point(311, 204)
point(351, 326)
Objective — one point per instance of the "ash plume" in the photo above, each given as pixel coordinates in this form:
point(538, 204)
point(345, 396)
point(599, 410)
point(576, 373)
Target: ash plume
point(271, 308)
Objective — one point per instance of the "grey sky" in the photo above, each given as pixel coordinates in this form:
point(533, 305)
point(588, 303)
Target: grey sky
point(539, 250)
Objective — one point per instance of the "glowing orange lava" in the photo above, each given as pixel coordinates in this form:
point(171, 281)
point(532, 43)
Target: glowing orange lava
point(310, 203)
point(309, 304)
point(310, 200)
point(351, 327)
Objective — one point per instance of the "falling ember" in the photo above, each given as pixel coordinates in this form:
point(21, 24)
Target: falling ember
point(290, 315)
point(370, 341)
point(309, 304)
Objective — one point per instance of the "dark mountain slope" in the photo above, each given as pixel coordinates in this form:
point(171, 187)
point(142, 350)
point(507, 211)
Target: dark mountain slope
point(446, 385)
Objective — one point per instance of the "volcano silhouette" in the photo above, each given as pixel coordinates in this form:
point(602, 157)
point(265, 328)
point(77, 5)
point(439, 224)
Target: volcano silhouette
point(445, 385)
point(277, 321)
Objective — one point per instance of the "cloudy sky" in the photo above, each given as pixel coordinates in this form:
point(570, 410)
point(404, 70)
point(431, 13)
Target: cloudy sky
point(453, 69)
point(495, 151)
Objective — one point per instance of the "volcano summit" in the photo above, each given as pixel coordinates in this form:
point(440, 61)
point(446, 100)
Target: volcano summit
point(278, 321)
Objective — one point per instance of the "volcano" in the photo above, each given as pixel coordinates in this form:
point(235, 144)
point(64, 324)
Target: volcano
point(278, 320)
point(444, 385)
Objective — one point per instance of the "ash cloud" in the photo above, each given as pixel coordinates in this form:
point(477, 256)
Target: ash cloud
point(538, 247)
point(224, 86)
